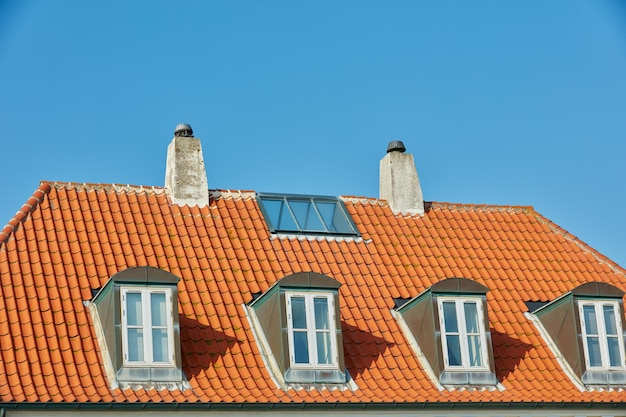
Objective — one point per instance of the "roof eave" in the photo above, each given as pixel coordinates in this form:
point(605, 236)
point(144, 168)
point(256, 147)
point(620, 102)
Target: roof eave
point(272, 406)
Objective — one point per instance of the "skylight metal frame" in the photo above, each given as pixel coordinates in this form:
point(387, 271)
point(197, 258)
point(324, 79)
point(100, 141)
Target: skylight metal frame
point(276, 222)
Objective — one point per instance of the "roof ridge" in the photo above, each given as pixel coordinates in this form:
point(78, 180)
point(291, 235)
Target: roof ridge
point(33, 201)
point(362, 199)
point(227, 193)
point(444, 204)
point(488, 207)
point(102, 186)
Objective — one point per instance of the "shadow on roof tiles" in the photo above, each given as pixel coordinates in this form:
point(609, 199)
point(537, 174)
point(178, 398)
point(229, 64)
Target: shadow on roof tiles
point(507, 352)
point(365, 348)
point(193, 336)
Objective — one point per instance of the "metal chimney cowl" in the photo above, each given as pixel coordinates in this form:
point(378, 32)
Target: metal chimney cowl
point(185, 174)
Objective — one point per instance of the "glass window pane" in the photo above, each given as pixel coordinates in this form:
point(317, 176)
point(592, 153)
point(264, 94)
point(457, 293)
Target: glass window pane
point(589, 314)
point(475, 353)
point(306, 216)
point(454, 350)
point(449, 317)
point(609, 320)
point(333, 217)
point(298, 313)
point(615, 356)
point(160, 347)
point(279, 215)
point(323, 348)
point(133, 309)
point(321, 313)
point(300, 347)
point(471, 317)
point(158, 309)
point(593, 347)
point(135, 345)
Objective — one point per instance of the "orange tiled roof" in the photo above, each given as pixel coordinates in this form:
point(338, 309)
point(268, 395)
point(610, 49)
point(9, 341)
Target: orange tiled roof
point(69, 239)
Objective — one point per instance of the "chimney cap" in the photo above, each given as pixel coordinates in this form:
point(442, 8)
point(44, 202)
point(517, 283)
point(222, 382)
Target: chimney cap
point(183, 129)
point(396, 146)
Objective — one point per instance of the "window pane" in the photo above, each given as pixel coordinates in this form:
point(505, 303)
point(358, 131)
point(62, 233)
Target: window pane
point(279, 215)
point(609, 320)
point(471, 317)
point(615, 357)
point(133, 309)
point(333, 217)
point(449, 317)
point(321, 313)
point(323, 348)
point(300, 347)
point(589, 313)
point(475, 353)
point(298, 313)
point(593, 346)
point(160, 350)
point(454, 350)
point(135, 345)
point(158, 308)
point(306, 216)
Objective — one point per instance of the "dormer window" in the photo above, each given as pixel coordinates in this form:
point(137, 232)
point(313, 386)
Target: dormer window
point(463, 333)
point(137, 325)
point(297, 326)
point(310, 324)
point(302, 214)
point(448, 328)
point(603, 341)
point(147, 326)
point(584, 328)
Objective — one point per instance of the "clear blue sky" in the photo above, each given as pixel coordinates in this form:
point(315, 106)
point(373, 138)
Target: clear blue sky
point(500, 102)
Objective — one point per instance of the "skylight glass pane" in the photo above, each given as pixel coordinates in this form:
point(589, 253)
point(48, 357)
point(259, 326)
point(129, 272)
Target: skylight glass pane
point(334, 217)
point(279, 215)
point(306, 216)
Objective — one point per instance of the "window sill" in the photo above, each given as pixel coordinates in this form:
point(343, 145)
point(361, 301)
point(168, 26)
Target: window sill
point(612, 378)
point(468, 378)
point(315, 376)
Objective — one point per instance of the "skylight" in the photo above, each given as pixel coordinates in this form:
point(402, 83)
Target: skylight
point(287, 213)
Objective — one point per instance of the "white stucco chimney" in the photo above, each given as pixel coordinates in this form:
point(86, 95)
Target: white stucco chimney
point(399, 183)
point(185, 176)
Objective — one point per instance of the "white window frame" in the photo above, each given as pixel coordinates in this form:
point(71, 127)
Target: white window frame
point(463, 334)
point(602, 334)
point(312, 331)
point(147, 326)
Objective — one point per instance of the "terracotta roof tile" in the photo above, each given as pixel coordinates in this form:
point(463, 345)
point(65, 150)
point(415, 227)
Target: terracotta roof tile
point(69, 239)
